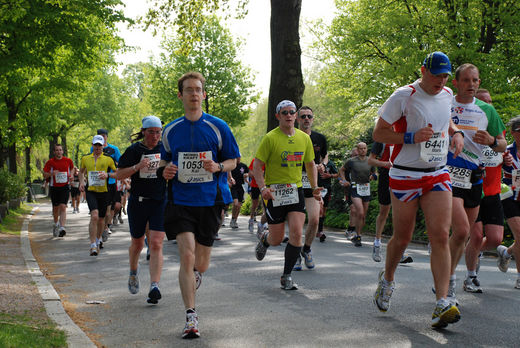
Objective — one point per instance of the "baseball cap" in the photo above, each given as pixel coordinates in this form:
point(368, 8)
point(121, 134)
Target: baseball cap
point(283, 104)
point(102, 131)
point(437, 63)
point(98, 139)
point(151, 121)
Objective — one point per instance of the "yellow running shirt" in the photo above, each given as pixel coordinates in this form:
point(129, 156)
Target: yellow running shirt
point(93, 167)
point(284, 156)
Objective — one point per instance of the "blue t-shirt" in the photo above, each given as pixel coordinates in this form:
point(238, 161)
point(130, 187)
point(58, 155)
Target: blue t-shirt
point(208, 133)
point(145, 182)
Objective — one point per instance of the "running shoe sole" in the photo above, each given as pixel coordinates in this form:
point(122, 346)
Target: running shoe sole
point(154, 296)
point(449, 315)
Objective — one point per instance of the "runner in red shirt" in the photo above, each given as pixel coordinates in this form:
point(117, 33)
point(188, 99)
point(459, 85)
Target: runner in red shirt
point(58, 170)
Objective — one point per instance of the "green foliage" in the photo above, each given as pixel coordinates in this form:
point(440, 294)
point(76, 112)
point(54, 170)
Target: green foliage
point(229, 84)
point(250, 134)
point(190, 16)
point(11, 186)
point(374, 46)
point(21, 332)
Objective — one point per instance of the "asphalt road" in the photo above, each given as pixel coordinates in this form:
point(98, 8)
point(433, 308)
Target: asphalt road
point(240, 303)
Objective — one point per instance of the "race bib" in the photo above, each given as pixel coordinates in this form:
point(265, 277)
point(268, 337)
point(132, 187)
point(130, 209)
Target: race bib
point(150, 171)
point(363, 189)
point(515, 179)
point(435, 149)
point(61, 177)
point(284, 194)
point(491, 158)
point(324, 192)
point(75, 184)
point(191, 167)
point(94, 179)
point(460, 177)
point(306, 184)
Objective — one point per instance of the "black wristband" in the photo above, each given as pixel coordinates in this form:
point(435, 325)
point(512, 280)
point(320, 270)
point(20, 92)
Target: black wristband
point(495, 143)
point(460, 132)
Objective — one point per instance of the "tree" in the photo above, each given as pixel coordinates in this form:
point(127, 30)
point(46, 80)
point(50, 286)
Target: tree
point(286, 71)
point(189, 17)
point(229, 85)
point(374, 46)
point(44, 42)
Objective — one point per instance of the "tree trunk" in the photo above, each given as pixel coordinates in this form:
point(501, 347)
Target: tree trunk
point(286, 70)
point(11, 147)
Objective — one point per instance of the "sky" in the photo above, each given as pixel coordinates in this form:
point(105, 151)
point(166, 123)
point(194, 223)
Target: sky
point(254, 29)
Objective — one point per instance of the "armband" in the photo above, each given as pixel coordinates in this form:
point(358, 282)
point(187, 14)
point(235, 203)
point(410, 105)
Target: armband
point(461, 133)
point(408, 137)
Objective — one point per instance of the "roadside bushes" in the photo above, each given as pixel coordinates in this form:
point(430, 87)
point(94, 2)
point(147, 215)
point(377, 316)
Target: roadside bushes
point(12, 186)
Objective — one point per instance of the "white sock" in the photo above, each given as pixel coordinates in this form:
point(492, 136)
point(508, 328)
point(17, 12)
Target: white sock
point(93, 245)
point(97, 241)
point(377, 242)
point(472, 273)
point(453, 277)
point(506, 254)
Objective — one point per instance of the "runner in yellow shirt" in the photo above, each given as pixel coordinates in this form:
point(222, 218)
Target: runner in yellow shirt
point(284, 151)
point(95, 167)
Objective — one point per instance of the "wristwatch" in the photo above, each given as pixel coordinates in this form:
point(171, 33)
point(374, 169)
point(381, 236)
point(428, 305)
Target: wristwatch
point(221, 167)
point(495, 143)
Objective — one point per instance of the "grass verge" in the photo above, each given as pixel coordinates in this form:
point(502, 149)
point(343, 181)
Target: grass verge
point(21, 331)
point(12, 223)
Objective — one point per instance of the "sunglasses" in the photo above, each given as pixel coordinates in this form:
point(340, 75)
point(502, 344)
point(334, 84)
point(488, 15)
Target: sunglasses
point(285, 112)
point(303, 117)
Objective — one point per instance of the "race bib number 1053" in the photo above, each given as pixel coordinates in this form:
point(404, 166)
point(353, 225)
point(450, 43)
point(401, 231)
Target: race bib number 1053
point(191, 167)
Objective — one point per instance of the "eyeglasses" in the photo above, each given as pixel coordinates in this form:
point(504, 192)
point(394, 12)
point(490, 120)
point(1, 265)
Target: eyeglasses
point(285, 112)
point(303, 117)
point(152, 132)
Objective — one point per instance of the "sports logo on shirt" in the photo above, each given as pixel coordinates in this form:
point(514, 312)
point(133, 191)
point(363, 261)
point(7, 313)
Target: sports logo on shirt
point(291, 159)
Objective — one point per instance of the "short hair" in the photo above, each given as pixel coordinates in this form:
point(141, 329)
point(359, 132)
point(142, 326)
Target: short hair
point(304, 108)
point(482, 90)
point(463, 67)
point(191, 75)
point(56, 145)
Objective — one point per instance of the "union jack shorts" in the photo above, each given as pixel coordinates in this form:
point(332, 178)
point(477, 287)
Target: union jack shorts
point(406, 188)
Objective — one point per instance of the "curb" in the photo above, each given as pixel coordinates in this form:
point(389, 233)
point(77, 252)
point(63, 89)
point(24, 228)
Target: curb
point(75, 336)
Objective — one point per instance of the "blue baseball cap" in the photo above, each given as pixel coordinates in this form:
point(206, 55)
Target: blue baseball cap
point(151, 121)
point(437, 63)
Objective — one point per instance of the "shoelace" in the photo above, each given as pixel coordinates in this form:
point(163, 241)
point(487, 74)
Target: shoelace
point(191, 321)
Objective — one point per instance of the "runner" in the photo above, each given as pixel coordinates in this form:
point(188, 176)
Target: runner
point(237, 179)
point(349, 232)
point(255, 201)
point(196, 150)
point(74, 190)
point(483, 129)
point(96, 166)
point(417, 119)
point(326, 172)
point(284, 151)
point(490, 218)
point(512, 204)
point(59, 170)
point(357, 175)
point(113, 203)
point(146, 203)
point(312, 206)
point(380, 157)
